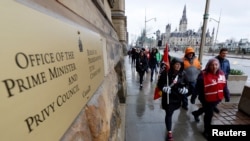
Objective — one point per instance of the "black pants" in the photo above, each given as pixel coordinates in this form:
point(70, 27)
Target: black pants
point(208, 109)
point(168, 119)
point(133, 61)
point(226, 91)
point(141, 75)
point(152, 72)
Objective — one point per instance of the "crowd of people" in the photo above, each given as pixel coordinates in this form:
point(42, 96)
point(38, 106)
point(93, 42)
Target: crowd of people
point(182, 77)
point(144, 61)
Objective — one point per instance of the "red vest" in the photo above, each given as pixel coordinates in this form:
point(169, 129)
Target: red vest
point(213, 86)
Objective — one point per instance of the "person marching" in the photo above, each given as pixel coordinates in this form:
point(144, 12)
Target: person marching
point(225, 67)
point(141, 65)
point(133, 56)
point(153, 62)
point(192, 68)
point(158, 58)
point(172, 94)
point(210, 84)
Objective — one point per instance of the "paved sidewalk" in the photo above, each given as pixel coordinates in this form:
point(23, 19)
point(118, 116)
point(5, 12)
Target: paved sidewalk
point(230, 115)
point(144, 118)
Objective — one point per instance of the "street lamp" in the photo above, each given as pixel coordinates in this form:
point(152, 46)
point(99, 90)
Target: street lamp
point(146, 26)
point(151, 41)
point(218, 22)
point(204, 27)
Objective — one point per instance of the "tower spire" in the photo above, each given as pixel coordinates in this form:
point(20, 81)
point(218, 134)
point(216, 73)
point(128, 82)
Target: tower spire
point(184, 16)
point(183, 21)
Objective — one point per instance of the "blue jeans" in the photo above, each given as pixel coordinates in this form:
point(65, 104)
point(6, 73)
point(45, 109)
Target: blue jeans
point(152, 72)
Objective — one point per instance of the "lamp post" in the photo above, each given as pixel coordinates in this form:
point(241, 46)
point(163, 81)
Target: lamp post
point(204, 27)
point(151, 41)
point(218, 24)
point(146, 26)
point(163, 41)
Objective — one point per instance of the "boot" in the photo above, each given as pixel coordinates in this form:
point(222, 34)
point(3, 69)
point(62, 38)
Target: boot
point(196, 116)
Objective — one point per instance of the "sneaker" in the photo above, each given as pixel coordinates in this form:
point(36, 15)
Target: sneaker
point(216, 110)
point(196, 117)
point(170, 136)
point(205, 134)
point(141, 86)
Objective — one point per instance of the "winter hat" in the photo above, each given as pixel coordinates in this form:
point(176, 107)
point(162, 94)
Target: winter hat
point(177, 60)
point(189, 49)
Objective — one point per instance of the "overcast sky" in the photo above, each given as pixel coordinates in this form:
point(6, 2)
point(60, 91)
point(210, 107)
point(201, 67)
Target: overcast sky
point(234, 21)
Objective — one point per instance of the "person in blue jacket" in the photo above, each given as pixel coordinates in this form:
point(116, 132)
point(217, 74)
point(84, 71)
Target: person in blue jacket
point(225, 67)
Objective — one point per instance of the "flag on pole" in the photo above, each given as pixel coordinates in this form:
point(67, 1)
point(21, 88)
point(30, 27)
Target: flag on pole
point(165, 60)
point(157, 93)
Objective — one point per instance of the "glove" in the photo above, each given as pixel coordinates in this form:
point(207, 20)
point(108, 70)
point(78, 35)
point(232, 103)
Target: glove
point(183, 90)
point(166, 89)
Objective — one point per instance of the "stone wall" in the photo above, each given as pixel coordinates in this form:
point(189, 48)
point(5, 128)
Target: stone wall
point(100, 119)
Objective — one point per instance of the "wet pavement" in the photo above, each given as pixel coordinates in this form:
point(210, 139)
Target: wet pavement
point(144, 118)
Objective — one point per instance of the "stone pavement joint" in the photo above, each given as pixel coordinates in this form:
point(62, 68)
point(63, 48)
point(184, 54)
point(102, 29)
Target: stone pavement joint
point(230, 115)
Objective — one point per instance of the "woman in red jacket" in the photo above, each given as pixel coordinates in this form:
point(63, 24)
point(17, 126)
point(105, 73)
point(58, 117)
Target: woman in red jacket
point(210, 84)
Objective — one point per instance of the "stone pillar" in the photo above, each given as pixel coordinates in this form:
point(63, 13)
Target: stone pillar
point(119, 21)
point(244, 103)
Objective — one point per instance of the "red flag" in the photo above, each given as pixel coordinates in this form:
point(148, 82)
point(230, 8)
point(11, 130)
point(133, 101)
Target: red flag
point(157, 93)
point(165, 58)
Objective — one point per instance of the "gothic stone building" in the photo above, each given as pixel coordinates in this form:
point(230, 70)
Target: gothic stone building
point(185, 37)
